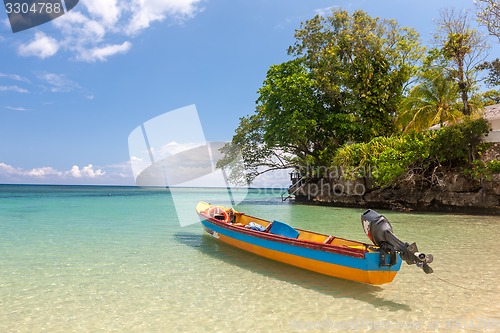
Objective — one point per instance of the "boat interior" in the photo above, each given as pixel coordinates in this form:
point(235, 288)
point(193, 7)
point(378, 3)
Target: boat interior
point(240, 219)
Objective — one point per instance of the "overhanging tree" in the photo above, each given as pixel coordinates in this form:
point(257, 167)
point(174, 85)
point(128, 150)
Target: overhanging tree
point(346, 82)
point(362, 65)
point(291, 126)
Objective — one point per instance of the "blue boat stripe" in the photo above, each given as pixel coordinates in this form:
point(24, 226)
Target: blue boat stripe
point(370, 262)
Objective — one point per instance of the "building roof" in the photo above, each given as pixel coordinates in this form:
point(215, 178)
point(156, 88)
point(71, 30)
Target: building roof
point(490, 113)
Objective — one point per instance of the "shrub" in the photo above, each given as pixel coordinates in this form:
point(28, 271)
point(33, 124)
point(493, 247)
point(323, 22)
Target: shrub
point(493, 166)
point(418, 153)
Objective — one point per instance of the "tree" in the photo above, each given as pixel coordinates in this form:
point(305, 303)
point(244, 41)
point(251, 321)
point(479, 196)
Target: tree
point(488, 14)
point(432, 101)
point(464, 48)
point(362, 66)
point(295, 117)
point(434, 98)
point(492, 96)
point(291, 127)
point(493, 69)
point(345, 84)
point(247, 153)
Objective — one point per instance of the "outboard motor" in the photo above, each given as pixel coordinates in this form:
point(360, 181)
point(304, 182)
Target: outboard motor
point(379, 230)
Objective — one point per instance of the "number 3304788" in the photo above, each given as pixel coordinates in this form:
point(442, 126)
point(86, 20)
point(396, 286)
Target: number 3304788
point(35, 8)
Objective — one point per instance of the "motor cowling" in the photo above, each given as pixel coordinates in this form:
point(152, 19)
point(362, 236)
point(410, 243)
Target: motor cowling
point(379, 231)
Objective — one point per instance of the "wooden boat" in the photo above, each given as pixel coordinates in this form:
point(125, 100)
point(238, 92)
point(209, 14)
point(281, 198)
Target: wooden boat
point(325, 254)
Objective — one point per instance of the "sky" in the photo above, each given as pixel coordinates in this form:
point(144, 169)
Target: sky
point(74, 89)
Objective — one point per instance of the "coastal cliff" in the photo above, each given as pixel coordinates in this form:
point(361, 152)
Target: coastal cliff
point(460, 189)
point(458, 193)
point(449, 191)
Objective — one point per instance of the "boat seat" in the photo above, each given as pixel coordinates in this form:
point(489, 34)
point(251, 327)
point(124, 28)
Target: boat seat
point(219, 217)
point(329, 240)
point(283, 229)
point(268, 227)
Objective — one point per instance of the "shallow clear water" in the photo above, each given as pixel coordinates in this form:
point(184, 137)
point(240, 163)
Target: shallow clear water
point(76, 259)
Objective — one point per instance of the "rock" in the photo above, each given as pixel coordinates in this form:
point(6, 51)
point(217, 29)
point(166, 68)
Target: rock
point(458, 182)
point(458, 193)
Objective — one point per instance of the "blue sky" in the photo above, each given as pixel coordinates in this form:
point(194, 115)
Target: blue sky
point(73, 89)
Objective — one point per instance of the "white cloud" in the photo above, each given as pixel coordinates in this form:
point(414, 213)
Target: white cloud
point(14, 77)
point(86, 172)
point(42, 172)
point(47, 173)
point(106, 11)
point(102, 53)
point(48, 82)
point(8, 169)
point(325, 11)
point(98, 29)
point(173, 148)
point(58, 82)
point(150, 11)
point(14, 88)
point(42, 46)
point(17, 108)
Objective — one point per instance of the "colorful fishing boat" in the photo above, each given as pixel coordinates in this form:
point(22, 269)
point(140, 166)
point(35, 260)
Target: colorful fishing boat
point(376, 263)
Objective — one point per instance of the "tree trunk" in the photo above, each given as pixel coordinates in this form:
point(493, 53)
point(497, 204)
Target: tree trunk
point(465, 99)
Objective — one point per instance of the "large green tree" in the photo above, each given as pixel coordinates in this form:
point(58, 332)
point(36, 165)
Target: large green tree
point(291, 125)
point(362, 65)
point(345, 83)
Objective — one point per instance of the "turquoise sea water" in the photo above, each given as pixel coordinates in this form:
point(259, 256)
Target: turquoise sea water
point(104, 259)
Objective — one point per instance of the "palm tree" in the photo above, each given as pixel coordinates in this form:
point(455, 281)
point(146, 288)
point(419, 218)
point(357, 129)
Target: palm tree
point(433, 101)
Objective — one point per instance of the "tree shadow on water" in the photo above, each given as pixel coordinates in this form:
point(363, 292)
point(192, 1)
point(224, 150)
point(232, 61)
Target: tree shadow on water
point(334, 287)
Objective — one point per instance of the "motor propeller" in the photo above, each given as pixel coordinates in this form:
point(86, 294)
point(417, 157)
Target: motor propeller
point(379, 231)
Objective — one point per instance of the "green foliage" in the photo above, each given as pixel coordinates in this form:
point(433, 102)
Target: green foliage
point(493, 69)
point(480, 170)
point(457, 145)
point(294, 117)
point(362, 65)
point(291, 125)
point(349, 82)
point(493, 166)
point(490, 97)
point(392, 157)
point(457, 46)
point(464, 48)
point(433, 100)
point(345, 84)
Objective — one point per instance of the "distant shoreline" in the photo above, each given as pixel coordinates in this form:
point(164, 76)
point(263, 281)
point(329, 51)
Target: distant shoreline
point(280, 189)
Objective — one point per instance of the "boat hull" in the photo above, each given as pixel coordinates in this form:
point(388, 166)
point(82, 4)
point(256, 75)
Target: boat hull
point(352, 265)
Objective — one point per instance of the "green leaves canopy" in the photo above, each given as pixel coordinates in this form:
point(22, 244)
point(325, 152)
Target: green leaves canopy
point(362, 66)
point(345, 84)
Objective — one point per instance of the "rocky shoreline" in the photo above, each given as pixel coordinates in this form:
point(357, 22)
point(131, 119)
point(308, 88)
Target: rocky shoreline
point(451, 191)
point(446, 191)
point(460, 195)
